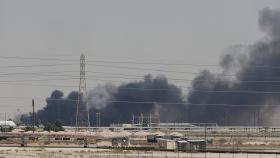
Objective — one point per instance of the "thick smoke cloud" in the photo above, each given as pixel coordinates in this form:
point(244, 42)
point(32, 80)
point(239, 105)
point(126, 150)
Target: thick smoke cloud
point(269, 23)
point(108, 100)
point(99, 96)
point(59, 108)
point(144, 91)
point(258, 62)
point(223, 93)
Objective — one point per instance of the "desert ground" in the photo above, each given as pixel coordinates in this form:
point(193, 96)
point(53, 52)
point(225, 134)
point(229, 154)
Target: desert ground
point(17, 152)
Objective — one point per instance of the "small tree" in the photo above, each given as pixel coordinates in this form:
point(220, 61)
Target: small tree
point(28, 128)
point(56, 126)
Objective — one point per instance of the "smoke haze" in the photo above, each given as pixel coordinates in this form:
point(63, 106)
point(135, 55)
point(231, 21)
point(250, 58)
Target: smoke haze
point(244, 68)
point(247, 64)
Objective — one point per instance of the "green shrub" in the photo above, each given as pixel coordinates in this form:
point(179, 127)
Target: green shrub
point(56, 126)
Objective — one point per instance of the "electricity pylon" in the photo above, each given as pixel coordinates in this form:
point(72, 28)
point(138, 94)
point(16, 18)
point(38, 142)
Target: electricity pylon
point(82, 113)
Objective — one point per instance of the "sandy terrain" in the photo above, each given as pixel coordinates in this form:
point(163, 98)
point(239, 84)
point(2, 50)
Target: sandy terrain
point(14, 152)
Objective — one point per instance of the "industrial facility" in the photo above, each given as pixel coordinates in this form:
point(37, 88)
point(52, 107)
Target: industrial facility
point(144, 132)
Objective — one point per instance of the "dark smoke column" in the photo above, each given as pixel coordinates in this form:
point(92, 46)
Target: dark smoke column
point(255, 68)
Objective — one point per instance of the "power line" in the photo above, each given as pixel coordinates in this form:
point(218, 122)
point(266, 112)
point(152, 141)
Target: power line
point(141, 89)
point(149, 69)
point(222, 91)
point(121, 67)
point(191, 80)
point(133, 62)
point(158, 70)
point(133, 68)
point(248, 82)
point(9, 106)
point(38, 65)
point(145, 89)
point(153, 63)
point(63, 79)
point(104, 61)
point(169, 78)
point(39, 85)
point(55, 79)
point(137, 78)
point(166, 89)
point(36, 73)
point(33, 58)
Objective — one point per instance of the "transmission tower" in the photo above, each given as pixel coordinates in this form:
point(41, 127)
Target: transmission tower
point(82, 114)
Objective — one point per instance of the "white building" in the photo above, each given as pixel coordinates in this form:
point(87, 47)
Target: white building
point(7, 123)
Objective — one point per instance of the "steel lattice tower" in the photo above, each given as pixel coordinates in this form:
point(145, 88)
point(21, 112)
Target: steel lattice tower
point(82, 113)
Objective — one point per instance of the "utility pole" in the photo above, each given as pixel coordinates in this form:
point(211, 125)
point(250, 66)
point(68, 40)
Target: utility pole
point(33, 121)
point(254, 118)
point(142, 120)
point(205, 139)
point(132, 119)
point(150, 120)
point(98, 119)
point(5, 123)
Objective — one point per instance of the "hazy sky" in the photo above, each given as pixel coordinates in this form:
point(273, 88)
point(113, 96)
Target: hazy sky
point(173, 31)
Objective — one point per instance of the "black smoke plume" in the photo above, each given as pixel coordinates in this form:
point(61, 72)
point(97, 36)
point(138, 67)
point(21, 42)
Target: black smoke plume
point(59, 108)
point(108, 100)
point(242, 66)
point(231, 97)
point(137, 94)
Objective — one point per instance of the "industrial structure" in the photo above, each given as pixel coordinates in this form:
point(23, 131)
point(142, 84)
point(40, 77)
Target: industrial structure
point(150, 120)
point(145, 131)
point(82, 113)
